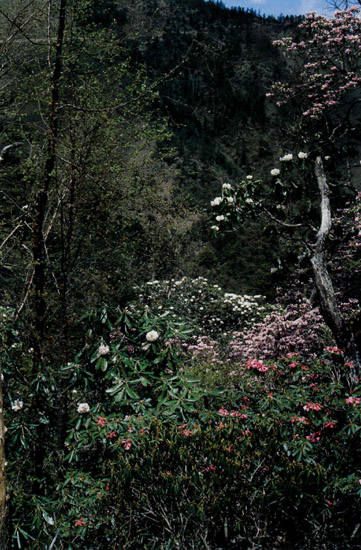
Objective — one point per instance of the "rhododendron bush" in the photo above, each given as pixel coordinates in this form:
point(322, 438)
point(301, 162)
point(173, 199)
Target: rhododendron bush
point(330, 61)
point(152, 455)
point(297, 328)
point(206, 306)
point(277, 457)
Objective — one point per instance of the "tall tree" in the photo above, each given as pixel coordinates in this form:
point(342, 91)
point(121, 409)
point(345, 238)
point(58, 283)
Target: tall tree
point(85, 190)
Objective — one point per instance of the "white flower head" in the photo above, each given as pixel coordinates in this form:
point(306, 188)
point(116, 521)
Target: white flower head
point(302, 155)
point(152, 336)
point(286, 158)
point(230, 200)
point(83, 408)
point(215, 228)
point(275, 172)
point(249, 201)
point(249, 178)
point(217, 201)
point(227, 186)
point(17, 405)
point(103, 349)
point(220, 218)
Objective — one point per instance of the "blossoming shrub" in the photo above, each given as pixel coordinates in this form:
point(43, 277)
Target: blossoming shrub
point(154, 460)
point(128, 365)
point(329, 56)
point(274, 464)
point(206, 307)
point(298, 327)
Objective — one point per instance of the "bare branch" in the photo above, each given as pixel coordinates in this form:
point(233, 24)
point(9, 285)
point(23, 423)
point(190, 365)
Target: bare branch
point(284, 224)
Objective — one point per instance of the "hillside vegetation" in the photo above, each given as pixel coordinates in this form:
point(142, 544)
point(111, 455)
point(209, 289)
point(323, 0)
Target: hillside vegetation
point(180, 333)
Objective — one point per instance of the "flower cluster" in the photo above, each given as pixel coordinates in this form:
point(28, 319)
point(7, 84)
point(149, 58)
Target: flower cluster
point(248, 198)
point(312, 407)
point(286, 158)
point(335, 350)
point(353, 400)
point(234, 413)
point(83, 408)
point(208, 309)
point(256, 365)
point(101, 421)
point(296, 328)
point(17, 405)
point(152, 336)
point(331, 57)
point(103, 349)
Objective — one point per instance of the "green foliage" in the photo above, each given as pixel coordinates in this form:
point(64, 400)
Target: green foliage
point(123, 447)
point(275, 465)
point(154, 459)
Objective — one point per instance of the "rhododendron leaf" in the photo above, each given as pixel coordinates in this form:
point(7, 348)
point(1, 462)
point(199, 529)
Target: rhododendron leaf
point(131, 393)
point(119, 396)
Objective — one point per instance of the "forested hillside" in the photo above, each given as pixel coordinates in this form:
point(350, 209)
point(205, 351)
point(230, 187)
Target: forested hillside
point(180, 277)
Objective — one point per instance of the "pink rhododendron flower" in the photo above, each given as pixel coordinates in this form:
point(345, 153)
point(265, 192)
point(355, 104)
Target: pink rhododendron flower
point(300, 419)
point(238, 414)
point(334, 349)
point(255, 364)
point(353, 400)
point(314, 437)
point(126, 444)
point(312, 406)
point(330, 424)
point(101, 421)
point(223, 412)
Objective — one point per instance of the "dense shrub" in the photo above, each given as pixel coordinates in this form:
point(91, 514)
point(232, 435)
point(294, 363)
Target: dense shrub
point(298, 327)
point(154, 460)
point(207, 308)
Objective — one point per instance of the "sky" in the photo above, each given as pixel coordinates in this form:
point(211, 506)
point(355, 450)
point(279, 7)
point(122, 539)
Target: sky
point(286, 7)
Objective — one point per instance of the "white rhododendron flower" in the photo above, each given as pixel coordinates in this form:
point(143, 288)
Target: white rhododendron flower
point(219, 218)
point(17, 405)
point(230, 200)
point(152, 336)
point(215, 228)
point(249, 201)
point(103, 349)
point(275, 172)
point(83, 408)
point(302, 155)
point(217, 201)
point(249, 177)
point(286, 158)
point(227, 186)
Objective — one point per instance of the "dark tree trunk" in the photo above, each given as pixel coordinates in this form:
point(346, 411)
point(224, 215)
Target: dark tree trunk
point(41, 200)
point(39, 239)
